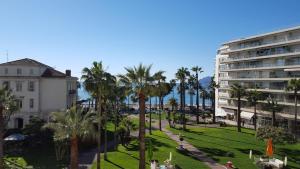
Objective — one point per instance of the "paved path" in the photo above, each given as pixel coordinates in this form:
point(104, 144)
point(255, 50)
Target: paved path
point(87, 158)
point(193, 151)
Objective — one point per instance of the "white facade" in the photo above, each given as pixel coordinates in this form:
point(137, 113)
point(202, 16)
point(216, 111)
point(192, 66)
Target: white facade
point(39, 88)
point(265, 63)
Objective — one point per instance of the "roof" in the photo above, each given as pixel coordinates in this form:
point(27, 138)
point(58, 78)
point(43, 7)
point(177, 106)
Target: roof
point(262, 35)
point(50, 72)
point(25, 62)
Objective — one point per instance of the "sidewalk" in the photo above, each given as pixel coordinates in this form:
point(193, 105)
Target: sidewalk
point(87, 158)
point(194, 152)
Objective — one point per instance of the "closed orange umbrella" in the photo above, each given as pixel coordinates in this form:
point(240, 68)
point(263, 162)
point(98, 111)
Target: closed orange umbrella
point(269, 150)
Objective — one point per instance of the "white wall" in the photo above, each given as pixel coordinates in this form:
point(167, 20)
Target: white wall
point(53, 95)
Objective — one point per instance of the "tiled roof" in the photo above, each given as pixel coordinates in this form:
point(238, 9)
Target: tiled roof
point(49, 72)
point(26, 62)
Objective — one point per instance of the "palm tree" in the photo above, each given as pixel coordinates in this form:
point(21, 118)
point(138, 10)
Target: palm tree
point(94, 80)
point(294, 85)
point(8, 105)
point(108, 91)
point(212, 87)
point(181, 75)
point(197, 70)
point(152, 93)
point(74, 124)
point(204, 95)
point(174, 104)
point(238, 92)
point(253, 97)
point(166, 89)
point(159, 77)
point(140, 78)
point(191, 91)
point(274, 107)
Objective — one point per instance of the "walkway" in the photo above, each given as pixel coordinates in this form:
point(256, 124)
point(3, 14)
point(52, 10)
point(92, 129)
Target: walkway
point(193, 151)
point(87, 158)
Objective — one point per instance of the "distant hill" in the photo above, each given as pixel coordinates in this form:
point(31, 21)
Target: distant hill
point(205, 81)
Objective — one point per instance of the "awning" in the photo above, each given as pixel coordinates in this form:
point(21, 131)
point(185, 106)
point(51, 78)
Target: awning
point(247, 115)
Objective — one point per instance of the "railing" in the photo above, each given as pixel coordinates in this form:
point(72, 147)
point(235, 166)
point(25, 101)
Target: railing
point(261, 66)
point(259, 43)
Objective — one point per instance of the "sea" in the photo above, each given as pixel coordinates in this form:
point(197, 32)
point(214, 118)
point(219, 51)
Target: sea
point(83, 94)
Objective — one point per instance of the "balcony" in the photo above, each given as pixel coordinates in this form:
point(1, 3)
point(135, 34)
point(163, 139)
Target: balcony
point(257, 57)
point(280, 100)
point(261, 66)
point(262, 45)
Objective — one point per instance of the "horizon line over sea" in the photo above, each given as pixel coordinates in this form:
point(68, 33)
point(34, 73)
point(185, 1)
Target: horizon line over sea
point(83, 94)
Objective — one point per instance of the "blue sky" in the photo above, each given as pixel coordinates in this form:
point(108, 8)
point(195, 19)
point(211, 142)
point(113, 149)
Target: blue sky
point(166, 33)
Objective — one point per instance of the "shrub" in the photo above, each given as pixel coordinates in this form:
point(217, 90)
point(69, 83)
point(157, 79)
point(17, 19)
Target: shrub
point(279, 135)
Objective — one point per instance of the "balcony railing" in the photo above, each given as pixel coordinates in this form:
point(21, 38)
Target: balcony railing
point(256, 56)
point(259, 43)
point(296, 63)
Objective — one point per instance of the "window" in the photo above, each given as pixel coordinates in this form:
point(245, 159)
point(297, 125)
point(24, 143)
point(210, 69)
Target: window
point(19, 71)
point(6, 71)
point(31, 72)
point(18, 86)
point(31, 86)
point(31, 103)
point(20, 103)
point(6, 85)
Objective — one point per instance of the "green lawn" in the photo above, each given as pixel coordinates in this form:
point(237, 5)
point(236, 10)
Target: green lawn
point(156, 115)
point(224, 144)
point(128, 157)
point(42, 157)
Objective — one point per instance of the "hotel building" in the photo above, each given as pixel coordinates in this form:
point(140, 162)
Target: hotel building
point(264, 62)
point(39, 88)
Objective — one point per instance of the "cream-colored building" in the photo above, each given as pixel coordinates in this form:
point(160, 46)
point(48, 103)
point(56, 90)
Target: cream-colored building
point(39, 88)
point(264, 62)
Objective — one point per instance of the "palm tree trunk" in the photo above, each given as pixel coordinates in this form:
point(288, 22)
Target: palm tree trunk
point(239, 114)
point(197, 98)
point(203, 102)
point(161, 109)
point(150, 120)
point(273, 119)
point(1, 138)
point(74, 152)
point(105, 135)
point(255, 117)
point(183, 98)
point(191, 101)
point(128, 102)
point(142, 164)
point(99, 134)
point(116, 125)
point(213, 108)
point(295, 120)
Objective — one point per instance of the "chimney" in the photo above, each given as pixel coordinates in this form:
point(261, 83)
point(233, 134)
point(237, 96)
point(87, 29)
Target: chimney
point(68, 73)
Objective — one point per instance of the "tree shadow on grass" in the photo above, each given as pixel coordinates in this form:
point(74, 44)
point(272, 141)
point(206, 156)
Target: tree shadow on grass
point(247, 150)
point(221, 138)
point(129, 155)
point(115, 164)
point(292, 154)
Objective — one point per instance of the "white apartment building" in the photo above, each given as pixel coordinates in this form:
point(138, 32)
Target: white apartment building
point(39, 88)
point(264, 62)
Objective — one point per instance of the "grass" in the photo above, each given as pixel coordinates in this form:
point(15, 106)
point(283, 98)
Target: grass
point(127, 157)
point(41, 157)
point(226, 144)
